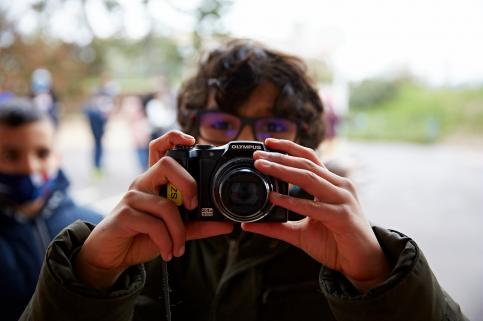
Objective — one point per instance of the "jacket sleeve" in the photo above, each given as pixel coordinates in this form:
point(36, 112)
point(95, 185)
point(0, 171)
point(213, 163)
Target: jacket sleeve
point(410, 293)
point(60, 296)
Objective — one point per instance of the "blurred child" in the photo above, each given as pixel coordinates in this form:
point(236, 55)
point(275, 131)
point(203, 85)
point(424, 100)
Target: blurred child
point(161, 110)
point(34, 202)
point(43, 94)
point(98, 110)
point(138, 124)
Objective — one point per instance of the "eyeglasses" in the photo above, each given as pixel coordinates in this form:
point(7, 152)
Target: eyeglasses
point(219, 127)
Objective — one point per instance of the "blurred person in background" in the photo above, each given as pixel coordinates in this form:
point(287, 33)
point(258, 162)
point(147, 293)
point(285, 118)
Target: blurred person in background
point(43, 94)
point(133, 110)
point(34, 201)
point(327, 149)
point(98, 110)
point(161, 109)
point(328, 263)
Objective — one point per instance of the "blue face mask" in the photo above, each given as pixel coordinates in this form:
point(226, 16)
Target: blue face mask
point(24, 188)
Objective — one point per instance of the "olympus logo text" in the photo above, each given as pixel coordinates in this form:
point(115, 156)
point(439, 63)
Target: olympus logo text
point(246, 147)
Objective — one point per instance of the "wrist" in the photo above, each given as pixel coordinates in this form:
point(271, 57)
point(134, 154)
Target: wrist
point(365, 285)
point(92, 275)
point(380, 272)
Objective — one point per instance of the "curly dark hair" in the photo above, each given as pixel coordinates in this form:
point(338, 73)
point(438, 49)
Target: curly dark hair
point(235, 69)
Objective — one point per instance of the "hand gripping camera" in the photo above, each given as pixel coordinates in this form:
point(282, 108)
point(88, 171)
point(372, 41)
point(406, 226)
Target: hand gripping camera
point(229, 186)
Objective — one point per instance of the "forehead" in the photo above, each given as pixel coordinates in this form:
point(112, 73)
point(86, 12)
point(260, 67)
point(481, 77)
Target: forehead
point(260, 103)
point(39, 133)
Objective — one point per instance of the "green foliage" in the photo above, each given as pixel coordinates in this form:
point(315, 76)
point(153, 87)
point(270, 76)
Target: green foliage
point(371, 92)
point(208, 20)
point(420, 114)
point(74, 66)
point(320, 70)
point(151, 56)
point(19, 60)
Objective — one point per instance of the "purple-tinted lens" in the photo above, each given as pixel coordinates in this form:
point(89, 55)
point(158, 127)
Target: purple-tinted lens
point(219, 127)
point(275, 127)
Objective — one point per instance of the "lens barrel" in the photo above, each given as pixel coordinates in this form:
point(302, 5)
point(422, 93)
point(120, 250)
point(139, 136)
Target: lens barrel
point(240, 192)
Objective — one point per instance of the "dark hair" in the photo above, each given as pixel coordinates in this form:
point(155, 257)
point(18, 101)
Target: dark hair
point(16, 112)
point(236, 69)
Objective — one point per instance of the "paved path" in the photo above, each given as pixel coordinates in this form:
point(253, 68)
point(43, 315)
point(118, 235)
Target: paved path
point(435, 195)
point(432, 193)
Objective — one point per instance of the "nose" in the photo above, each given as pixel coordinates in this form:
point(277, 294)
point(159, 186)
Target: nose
point(30, 164)
point(246, 133)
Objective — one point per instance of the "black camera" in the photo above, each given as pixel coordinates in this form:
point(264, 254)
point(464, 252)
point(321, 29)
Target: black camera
point(229, 186)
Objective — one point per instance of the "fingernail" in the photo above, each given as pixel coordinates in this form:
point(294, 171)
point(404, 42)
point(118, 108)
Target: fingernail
point(167, 257)
point(263, 163)
point(262, 154)
point(188, 136)
point(275, 194)
point(193, 203)
point(275, 197)
point(181, 251)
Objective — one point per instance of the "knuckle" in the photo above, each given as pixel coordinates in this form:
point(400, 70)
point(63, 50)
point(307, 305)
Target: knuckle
point(130, 196)
point(311, 154)
point(319, 206)
point(345, 195)
point(123, 212)
point(134, 183)
point(311, 176)
point(173, 134)
point(308, 151)
point(276, 156)
point(153, 143)
point(165, 161)
point(309, 164)
point(272, 154)
point(341, 211)
point(347, 184)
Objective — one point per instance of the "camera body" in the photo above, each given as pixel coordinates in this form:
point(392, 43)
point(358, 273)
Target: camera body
point(229, 186)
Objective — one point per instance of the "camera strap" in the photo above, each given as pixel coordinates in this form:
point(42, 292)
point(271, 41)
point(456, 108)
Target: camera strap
point(165, 289)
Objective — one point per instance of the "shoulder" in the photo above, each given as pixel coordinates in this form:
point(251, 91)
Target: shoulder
point(85, 214)
point(67, 212)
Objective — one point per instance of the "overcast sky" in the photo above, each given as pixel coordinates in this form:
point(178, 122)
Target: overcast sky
point(441, 40)
point(438, 40)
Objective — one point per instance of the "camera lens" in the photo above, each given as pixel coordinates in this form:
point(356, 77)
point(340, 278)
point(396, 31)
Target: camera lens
point(241, 193)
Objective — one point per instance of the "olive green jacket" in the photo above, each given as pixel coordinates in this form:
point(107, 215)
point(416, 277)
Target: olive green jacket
point(248, 278)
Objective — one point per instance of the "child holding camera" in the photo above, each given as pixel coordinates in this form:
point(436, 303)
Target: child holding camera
point(331, 264)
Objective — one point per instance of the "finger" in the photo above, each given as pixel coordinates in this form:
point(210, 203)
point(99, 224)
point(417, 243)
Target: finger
point(305, 179)
point(164, 171)
point(159, 146)
point(164, 209)
point(294, 149)
point(323, 212)
point(140, 223)
point(199, 230)
point(299, 162)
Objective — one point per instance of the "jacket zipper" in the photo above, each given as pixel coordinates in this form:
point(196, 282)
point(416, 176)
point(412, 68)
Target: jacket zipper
point(43, 234)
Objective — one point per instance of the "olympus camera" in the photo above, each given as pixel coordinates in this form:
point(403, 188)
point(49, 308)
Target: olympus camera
point(229, 186)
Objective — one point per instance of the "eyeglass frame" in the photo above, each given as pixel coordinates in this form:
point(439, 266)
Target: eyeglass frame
point(299, 125)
